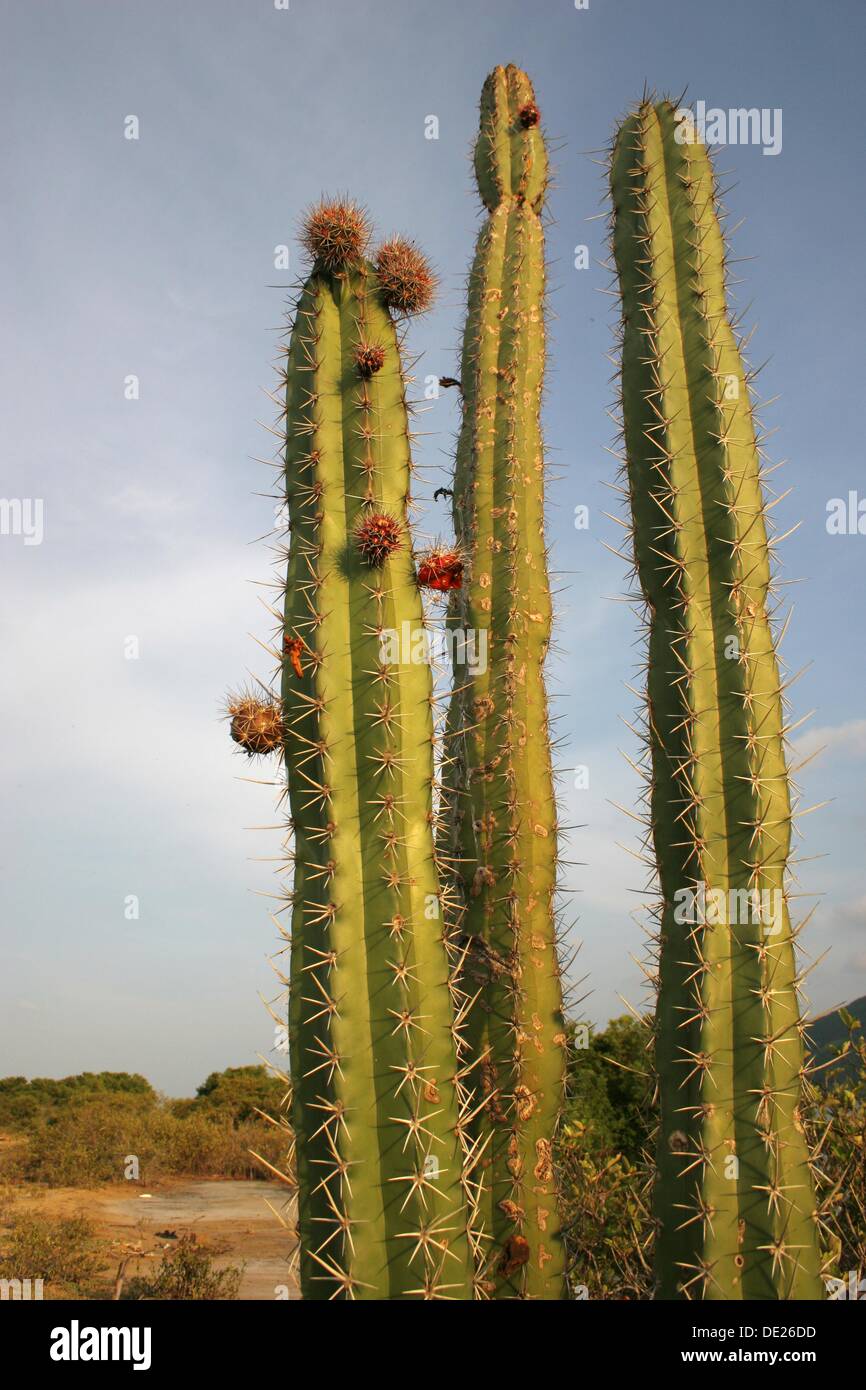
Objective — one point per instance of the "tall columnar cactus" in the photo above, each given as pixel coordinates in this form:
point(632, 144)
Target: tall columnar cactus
point(499, 785)
point(375, 1108)
point(734, 1198)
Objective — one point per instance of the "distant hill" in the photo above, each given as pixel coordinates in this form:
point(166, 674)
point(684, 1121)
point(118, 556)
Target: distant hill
point(827, 1034)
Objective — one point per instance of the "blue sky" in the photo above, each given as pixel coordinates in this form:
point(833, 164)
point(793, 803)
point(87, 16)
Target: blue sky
point(155, 258)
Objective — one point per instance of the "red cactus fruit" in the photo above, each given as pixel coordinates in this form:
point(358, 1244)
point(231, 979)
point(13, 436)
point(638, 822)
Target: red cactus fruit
point(369, 358)
point(377, 537)
point(529, 115)
point(405, 278)
point(442, 570)
point(335, 233)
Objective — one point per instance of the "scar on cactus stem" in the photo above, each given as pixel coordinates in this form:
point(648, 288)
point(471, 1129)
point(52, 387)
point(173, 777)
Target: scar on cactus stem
point(529, 115)
point(441, 570)
point(292, 648)
point(515, 1255)
point(369, 358)
point(335, 233)
point(377, 537)
point(257, 725)
point(405, 278)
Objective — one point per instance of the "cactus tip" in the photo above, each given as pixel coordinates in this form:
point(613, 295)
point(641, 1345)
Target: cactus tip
point(335, 233)
point(407, 282)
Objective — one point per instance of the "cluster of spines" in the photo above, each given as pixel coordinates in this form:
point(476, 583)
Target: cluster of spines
point(734, 1196)
point(256, 722)
point(502, 841)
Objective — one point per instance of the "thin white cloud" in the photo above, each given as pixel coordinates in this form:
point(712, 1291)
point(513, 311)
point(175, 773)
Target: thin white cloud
point(147, 503)
point(832, 739)
point(853, 912)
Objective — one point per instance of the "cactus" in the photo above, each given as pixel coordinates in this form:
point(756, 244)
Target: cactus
point(734, 1199)
point(502, 822)
point(381, 1207)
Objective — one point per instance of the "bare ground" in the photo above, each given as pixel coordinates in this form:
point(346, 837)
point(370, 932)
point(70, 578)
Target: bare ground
point(231, 1219)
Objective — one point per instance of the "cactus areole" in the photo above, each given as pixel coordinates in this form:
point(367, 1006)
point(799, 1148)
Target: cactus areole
point(375, 1114)
point(734, 1198)
point(499, 784)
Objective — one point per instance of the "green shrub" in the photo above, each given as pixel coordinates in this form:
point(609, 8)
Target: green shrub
point(836, 1124)
point(187, 1273)
point(79, 1131)
point(59, 1250)
point(608, 1084)
point(600, 1151)
point(24, 1105)
point(89, 1143)
point(605, 1219)
point(238, 1093)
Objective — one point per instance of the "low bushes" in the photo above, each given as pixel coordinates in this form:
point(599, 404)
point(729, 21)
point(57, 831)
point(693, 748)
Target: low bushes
point(104, 1134)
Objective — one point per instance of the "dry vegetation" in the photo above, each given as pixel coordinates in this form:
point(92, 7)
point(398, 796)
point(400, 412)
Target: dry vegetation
point(78, 1133)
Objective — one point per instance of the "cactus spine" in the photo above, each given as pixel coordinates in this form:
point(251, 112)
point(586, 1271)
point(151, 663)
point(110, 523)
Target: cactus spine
point(375, 1113)
point(734, 1198)
point(499, 785)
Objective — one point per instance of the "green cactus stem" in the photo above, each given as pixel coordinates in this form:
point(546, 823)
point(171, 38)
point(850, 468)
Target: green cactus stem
point(734, 1197)
point(382, 1213)
point(502, 833)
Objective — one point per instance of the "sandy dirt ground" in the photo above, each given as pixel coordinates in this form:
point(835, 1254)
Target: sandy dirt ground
point(139, 1225)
